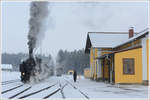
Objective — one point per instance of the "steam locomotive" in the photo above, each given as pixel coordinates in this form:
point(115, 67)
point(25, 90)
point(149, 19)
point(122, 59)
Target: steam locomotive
point(33, 69)
point(27, 67)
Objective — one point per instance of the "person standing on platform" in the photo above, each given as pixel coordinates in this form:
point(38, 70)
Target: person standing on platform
point(75, 76)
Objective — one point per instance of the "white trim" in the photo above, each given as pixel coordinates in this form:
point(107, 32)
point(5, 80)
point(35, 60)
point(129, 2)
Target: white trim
point(99, 72)
point(144, 58)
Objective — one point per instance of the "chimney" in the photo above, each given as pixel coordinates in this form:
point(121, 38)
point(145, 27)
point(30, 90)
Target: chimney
point(131, 32)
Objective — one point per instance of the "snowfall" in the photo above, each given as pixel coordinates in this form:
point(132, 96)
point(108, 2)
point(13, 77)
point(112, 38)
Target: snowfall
point(64, 87)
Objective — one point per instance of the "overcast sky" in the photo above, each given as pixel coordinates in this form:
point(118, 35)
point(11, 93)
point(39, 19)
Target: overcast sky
point(68, 23)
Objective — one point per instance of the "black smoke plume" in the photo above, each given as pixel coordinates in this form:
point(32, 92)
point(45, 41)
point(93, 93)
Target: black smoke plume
point(38, 15)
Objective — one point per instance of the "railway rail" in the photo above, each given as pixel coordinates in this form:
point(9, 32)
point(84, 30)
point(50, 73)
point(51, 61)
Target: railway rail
point(52, 93)
point(10, 81)
point(12, 89)
point(27, 95)
point(61, 90)
point(57, 90)
point(20, 92)
point(87, 97)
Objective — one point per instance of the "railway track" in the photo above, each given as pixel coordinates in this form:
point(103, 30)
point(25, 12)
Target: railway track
point(57, 90)
point(61, 90)
point(52, 93)
point(27, 95)
point(87, 97)
point(9, 82)
point(12, 89)
point(20, 92)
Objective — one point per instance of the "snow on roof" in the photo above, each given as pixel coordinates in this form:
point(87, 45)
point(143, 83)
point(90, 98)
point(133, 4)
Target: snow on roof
point(107, 40)
point(6, 66)
point(111, 39)
point(132, 38)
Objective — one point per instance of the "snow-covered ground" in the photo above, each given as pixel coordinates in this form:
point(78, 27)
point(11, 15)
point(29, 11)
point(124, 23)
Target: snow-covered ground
point(64, 87)
point(8, 75)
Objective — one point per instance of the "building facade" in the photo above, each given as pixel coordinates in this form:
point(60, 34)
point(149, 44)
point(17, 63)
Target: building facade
point(120, 58)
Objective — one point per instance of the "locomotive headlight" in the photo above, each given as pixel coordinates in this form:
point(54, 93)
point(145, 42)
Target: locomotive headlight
point(23, 73)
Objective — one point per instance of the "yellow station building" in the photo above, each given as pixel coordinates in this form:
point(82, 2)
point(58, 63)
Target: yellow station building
point(119, 57)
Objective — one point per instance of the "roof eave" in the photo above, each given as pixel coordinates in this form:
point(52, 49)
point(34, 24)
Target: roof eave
point(143, 35)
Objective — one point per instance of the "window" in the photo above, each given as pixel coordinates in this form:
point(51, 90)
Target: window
point(128, 65)
point(99, 52)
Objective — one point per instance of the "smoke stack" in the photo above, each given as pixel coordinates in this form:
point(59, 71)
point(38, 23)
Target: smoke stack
point(131, 32)
point(30, 52)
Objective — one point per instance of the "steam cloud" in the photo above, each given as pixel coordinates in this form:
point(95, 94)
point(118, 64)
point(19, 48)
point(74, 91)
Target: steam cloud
point(38, 15)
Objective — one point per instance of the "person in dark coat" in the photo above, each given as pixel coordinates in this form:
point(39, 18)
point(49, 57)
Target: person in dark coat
point(75, 76)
